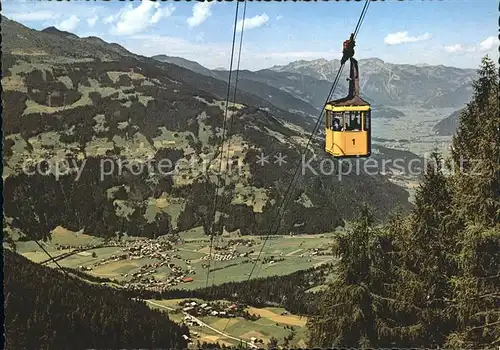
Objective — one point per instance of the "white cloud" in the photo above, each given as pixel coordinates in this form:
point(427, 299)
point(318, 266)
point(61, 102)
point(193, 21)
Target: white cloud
point(69, 24)
point(65, 15)
point(209, 54)
point(279, 17)
point(92, 18)
point(483, 46)
point(488, 43)
point(132, 20)
point(32, 16)
point(403, 37)
point(253, 22)
point(92, 21)
point(201, 11)
point(48, 13)
point(109, 19)
point(162, 12)
point(454, 48)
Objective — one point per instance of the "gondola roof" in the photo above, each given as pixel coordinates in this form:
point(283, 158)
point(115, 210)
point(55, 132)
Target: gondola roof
point(349, 101)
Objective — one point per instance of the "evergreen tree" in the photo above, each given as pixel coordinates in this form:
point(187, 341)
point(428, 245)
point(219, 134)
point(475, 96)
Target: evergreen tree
point(477, 293)
point(66, 314)
point(476, 201)
point(476, 152)
point(348, 309)
point(427, 250)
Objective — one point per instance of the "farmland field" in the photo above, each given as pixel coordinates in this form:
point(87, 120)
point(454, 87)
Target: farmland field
point(292, 253)
point(272, 323)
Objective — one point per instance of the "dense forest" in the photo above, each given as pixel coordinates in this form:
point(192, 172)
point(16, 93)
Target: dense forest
point(45, 309)
point(430, 279)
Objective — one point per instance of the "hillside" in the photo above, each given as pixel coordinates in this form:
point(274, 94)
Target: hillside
point(296, 93)
point(397, 84)
point(448, 125)
point(276, 96)
point(139, 110)
point(184, 63)
point(454, 98)
point(20, 41)
point(55, 46)
point(67, 314)
point(55, 31)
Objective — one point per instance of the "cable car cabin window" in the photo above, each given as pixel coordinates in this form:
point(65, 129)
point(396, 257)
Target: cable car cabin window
point(337, 124)
point(367, 121)
point(353, 121)
point(335, 121)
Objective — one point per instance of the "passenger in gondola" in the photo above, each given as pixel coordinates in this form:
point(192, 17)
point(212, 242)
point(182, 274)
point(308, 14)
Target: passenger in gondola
point(355, 125)
point(336, 125)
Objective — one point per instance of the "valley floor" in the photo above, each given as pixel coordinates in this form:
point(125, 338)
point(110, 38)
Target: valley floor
point(413, 132)
point(132, 262)
point(159, 265)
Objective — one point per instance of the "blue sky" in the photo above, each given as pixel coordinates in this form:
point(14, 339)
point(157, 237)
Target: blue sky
point(449, 32)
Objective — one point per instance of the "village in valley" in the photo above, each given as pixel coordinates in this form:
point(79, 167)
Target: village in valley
point(181, 262)
point(252, 326)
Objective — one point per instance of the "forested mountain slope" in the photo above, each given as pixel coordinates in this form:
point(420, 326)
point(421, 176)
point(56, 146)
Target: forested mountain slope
point(448, 125)
point(69, 314)
point(84, 104)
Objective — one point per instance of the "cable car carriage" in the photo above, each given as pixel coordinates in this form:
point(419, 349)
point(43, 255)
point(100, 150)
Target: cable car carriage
point(348, 130)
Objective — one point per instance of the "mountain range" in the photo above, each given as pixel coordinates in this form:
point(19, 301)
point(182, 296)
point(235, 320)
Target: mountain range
point(398, 84)
point(85, 102)
point(382, 84)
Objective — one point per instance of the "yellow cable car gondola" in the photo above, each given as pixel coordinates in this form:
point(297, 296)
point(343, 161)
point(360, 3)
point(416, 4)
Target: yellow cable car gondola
point(348, 130)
